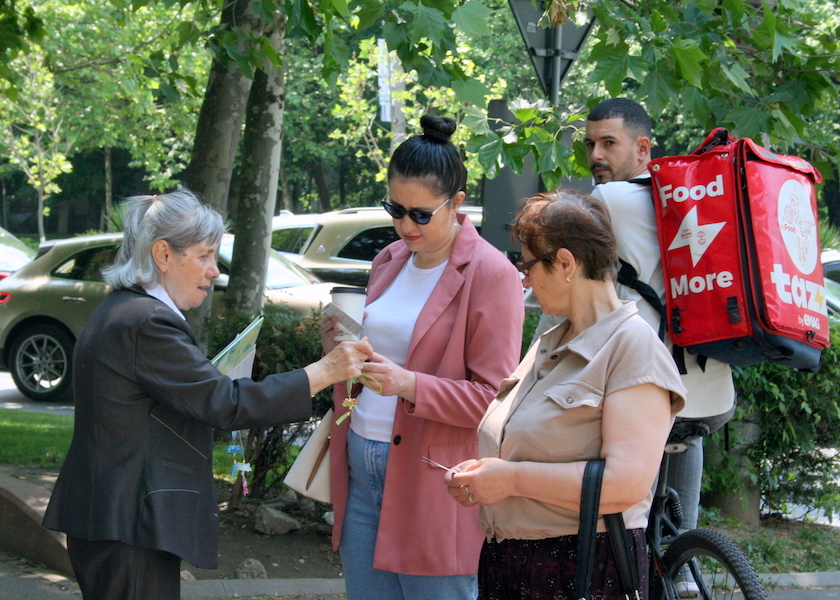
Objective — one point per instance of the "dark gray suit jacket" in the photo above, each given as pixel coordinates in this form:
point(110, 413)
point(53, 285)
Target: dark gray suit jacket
point(139, 468)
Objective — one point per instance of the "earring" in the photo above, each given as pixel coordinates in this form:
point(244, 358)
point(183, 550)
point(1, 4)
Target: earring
point(568, 277)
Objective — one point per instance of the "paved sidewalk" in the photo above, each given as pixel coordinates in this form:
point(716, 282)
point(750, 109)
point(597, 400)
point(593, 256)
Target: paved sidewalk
point(20, 580)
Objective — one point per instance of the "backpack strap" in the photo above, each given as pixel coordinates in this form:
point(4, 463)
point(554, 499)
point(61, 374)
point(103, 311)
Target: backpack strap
point(627, 276)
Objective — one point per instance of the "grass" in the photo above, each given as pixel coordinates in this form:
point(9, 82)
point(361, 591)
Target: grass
point(779, 545)
point(34, 439)
point(782, 545)
point(31, 439)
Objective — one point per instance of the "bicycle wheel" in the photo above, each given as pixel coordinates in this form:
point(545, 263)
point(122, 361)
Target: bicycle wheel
point(718, 566)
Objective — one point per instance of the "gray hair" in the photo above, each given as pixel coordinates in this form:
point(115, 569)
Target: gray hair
point(179, 218)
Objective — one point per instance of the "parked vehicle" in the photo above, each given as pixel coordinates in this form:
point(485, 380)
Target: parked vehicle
point(13, 253)
point(45, 305)
point(340, 245)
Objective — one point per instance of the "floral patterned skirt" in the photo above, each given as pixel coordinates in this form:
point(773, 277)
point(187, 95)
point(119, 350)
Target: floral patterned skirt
point(545, 569)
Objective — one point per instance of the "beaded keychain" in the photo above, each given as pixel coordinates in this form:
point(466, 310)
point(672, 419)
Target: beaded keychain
point(350, 402)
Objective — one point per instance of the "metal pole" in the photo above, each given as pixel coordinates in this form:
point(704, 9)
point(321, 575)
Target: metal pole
point(556, 64)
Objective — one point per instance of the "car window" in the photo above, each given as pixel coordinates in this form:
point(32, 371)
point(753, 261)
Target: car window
point(281, 271)
point(86, 265)
point(367, 244)
point(832, 270)
point(12, 258)
point(832, 292)
point(291, 240)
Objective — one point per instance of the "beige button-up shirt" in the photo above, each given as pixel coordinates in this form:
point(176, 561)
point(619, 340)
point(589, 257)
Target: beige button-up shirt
point(549, 410)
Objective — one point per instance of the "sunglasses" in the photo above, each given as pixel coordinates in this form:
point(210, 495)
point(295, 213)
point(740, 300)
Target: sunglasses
point(524, 267)
point(421, 217)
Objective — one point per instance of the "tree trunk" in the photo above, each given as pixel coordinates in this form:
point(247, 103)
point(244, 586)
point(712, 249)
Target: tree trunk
point(744, 504)
point(41, 200)
point(262, 146)
point(5, 204)
point(284, 188)
point(109, 189)
point(220, 120)
point(831, 196)
point(321, 188)
point(218, 129)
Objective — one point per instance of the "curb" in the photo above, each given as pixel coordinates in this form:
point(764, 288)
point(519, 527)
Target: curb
point(235, 588)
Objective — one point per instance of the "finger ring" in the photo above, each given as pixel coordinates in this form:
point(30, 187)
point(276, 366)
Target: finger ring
point(467, 491)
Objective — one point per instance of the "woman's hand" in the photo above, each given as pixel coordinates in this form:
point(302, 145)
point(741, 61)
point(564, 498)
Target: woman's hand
point(486, 481)
point(329, 329)
point(343, 362)
point(391, 379)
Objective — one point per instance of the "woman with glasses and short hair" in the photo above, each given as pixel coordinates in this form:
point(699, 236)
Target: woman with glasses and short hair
point(599, 385)
point(444, 317)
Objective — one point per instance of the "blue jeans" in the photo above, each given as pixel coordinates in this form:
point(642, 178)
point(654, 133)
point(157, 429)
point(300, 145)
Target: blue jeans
point(685, 475)
point(368, 461)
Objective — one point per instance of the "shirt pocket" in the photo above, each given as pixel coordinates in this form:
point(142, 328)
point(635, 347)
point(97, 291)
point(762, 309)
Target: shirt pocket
point(575, 394)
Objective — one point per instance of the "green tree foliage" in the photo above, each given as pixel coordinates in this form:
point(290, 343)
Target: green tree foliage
point(763, 70)
point(35, 134)
point(795, 417)
point(18, 27)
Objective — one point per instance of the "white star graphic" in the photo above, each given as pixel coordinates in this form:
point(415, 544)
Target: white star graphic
point(697, 237)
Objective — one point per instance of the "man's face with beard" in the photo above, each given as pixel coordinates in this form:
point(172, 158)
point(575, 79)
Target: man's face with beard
point(614, 154)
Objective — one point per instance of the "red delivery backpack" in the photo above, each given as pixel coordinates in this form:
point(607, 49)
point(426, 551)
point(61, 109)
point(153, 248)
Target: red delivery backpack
point(740, 252)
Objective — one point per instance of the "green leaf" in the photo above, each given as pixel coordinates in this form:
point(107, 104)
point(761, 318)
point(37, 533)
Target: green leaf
point(303, 19)
point(513, 156)
point(689, 57)
point(551, 155)
point(697, 105)
point(472, 17)
point(369, 13)
point(338, 7)
point(475, 120)
point(764, 36)
point(657, 89)
point(611, 71)
point(749, 122)
point(738, 76)
point(489, 157)
point(471, 91)
point(579, 149)
point(428, 23)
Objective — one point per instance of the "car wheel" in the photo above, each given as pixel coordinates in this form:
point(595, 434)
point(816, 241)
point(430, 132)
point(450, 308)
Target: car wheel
point(40, 363)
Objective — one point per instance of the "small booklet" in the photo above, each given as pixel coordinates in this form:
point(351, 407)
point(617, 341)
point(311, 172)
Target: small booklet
point(348, 327)
point(237, 358)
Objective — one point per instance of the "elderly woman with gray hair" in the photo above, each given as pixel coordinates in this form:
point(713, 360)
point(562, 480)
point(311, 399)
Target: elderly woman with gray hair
point(136, 493)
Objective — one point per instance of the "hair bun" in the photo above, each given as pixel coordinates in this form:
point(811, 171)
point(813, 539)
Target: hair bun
point(438, 128)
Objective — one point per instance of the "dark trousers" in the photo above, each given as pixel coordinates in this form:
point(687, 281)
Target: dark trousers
point(109, 570)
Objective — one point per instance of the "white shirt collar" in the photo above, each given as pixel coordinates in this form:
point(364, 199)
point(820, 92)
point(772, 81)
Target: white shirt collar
point(156, 290)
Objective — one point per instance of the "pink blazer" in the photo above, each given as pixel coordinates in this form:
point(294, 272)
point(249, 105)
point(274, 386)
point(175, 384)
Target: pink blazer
point(466, 340)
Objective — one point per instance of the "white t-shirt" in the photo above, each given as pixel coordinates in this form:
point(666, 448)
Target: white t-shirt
point(388, 326)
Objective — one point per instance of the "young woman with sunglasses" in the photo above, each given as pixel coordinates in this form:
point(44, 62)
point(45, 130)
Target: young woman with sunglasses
point(444, 317)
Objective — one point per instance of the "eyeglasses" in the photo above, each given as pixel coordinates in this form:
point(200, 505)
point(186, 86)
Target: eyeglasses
point(524, 267)
point(421, 217)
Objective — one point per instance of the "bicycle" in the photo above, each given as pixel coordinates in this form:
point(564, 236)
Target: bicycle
point(719, 568)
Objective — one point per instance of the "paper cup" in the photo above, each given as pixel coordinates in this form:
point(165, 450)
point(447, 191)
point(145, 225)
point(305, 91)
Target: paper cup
point(351, 300)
